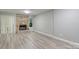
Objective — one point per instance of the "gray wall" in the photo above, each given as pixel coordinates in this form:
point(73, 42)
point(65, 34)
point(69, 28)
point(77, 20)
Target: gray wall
point(62, 23)
point(0, 24)
point(44, 22)
point(66, 24)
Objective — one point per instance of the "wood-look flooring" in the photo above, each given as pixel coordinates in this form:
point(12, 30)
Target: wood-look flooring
point(31, 40)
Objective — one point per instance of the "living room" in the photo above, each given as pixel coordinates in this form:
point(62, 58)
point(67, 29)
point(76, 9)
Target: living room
point(39, 29)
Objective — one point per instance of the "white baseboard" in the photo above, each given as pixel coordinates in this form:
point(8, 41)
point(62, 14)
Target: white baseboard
point(58, 38)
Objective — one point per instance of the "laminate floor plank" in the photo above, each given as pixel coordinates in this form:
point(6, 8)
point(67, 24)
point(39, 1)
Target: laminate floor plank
point(31, 40)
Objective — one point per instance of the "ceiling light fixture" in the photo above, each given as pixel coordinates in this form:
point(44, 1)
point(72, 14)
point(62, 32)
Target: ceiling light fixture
point(27, 11)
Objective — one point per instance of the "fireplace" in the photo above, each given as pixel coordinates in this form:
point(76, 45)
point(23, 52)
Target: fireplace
point(22, 27)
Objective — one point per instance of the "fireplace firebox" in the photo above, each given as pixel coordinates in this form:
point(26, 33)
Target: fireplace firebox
point(22, 27)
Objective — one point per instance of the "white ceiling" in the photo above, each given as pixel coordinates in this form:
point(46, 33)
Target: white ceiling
point(21, 11)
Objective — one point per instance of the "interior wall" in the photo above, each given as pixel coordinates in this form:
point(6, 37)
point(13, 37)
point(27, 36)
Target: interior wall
point(66, 24)
point(61, 23)
point(43, 22)
point(0, 25)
